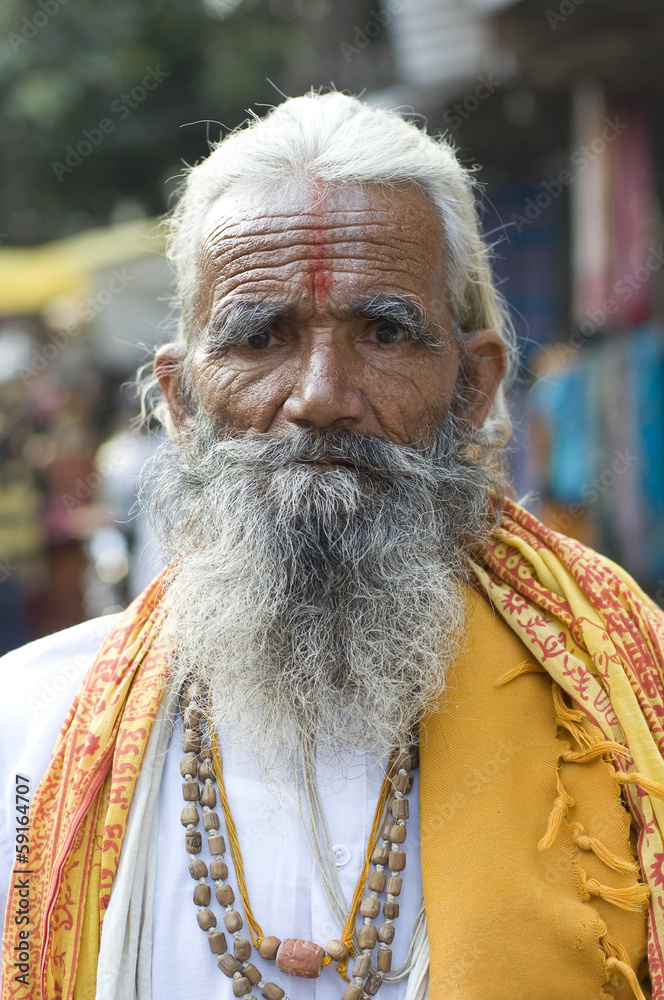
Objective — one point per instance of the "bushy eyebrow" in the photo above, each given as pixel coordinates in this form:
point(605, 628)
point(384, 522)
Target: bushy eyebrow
point(237, 322)
point(404, 314)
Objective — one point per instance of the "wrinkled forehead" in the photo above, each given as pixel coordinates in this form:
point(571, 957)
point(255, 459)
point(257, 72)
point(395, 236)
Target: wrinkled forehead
point(322, 240)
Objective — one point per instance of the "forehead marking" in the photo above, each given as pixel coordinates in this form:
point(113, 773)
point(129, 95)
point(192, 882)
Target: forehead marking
point(319, 273)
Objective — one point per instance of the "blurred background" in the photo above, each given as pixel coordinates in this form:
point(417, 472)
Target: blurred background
point(557, 102)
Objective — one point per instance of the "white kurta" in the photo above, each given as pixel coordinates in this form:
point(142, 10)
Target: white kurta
point(39, 682)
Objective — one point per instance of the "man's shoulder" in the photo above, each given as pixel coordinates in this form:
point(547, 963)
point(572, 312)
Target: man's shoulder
point(38, 683)
point(36, 679)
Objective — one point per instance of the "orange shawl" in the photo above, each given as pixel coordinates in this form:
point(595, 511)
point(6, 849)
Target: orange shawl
point(584, 620)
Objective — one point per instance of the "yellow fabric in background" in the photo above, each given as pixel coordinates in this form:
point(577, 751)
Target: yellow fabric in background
point(31, 276)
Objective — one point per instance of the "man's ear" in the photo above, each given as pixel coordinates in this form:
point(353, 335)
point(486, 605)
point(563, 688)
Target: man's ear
point(168, 369)
point(488, 363)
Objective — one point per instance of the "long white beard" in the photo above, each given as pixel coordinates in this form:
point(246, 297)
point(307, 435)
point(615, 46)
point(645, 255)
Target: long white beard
point(315, 600)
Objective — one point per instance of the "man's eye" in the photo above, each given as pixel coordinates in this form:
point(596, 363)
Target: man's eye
point(259, 340)
point(388, 334)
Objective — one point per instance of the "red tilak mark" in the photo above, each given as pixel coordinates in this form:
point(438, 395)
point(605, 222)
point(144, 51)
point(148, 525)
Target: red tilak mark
point(318, 270)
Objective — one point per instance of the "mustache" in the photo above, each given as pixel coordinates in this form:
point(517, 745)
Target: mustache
point(339, 450)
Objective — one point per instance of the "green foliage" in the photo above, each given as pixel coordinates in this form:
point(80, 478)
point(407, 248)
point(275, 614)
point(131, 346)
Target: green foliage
point(68, 66)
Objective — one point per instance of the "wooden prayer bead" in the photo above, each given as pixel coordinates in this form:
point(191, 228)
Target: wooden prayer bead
point(272, 992)
point(401, 782)
point(269, 947)
point(218, 870)
point(241, 986)
point(396, 861)
point(370, 907)
point(217, 844)
point(191, 791)
point(193, 842)
point(367, 936)
point(361, 966)
point(386, 933)
point(202, 895)
point(192, 717)
point(352, 992)
point(208, 796)
point(191, 741)
point(390, 910)
point(242, 949)
point(405, 761)
point(189, 765)
point(297, 957)
point(197, 869)
point(205, 771)
point(189, 816)
point(217, 942)
point(233, 921)
point(384, 960)
point(380, 855)
point(192, 693)
point(376, 881)
point(373, 984)
point(211, 821)
point(205, 752)
point(397, 833)
point(225, 895)
point(394, 884)
point(206, 919)
point(228, 965)
point(337, 950)
point(252, 974)
point(399, 808)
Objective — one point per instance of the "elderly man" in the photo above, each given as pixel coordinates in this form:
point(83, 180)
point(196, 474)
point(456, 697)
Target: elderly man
point(234, 805)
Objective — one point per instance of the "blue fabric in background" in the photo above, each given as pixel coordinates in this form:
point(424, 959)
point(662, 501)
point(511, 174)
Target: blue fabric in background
point(563, 400)
point(645, 351)
point(529, 260)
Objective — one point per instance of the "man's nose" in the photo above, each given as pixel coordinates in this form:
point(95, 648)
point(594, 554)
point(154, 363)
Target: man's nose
point(324, 393)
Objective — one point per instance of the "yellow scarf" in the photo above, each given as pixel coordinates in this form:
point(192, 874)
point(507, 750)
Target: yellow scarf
point(583, 619)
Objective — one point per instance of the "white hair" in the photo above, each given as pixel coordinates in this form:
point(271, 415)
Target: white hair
point(336, 139)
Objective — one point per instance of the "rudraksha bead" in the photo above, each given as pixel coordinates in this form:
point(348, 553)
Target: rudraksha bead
point(233, 921)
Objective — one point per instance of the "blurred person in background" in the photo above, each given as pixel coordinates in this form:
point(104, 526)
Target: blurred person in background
point(353, 593)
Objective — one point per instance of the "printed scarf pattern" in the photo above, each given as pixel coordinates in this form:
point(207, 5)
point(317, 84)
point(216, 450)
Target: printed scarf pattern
point(78, 815)
point(601, 638)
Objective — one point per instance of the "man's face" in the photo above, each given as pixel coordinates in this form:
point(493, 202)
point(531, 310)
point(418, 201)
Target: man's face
point(324, 338)
point(325, 309)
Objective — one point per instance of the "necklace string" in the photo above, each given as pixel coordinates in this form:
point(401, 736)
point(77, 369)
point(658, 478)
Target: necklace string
point(256, 932)
point(320, 845)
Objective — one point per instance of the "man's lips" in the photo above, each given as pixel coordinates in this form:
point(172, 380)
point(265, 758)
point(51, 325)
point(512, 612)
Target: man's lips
point(326, 461)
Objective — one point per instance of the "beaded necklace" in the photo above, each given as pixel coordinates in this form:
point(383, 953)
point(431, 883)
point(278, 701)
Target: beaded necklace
point(293, 956)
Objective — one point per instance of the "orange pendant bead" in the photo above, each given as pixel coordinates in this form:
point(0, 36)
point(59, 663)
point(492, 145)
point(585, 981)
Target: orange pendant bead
point(301, 958)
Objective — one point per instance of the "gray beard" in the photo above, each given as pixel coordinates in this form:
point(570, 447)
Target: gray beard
point(318, 596)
